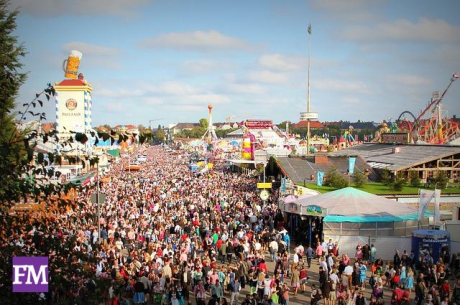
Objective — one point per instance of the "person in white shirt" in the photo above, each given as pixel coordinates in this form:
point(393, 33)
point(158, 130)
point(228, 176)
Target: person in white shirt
point(295, 258)
point(348, 272)
point(324, 265)
point(334, 277)
point(273, 246)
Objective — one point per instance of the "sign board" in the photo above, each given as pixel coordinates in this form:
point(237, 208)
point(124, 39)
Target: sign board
point(313, 210)
point(101, 198)
point(264, 195)
point(397, 137)
point(292, 207)
point(264, 185)
point(309, 115)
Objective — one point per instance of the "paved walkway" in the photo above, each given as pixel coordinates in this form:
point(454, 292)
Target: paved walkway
point(304, 298)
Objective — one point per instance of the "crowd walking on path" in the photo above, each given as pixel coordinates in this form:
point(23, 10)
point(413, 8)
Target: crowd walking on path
point(172, 236)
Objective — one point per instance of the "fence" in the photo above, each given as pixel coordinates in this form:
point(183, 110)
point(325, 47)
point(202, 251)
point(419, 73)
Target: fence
point(386, 246)
point(374, 229)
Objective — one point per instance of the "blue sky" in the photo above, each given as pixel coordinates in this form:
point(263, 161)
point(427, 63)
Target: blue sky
point(370, 60)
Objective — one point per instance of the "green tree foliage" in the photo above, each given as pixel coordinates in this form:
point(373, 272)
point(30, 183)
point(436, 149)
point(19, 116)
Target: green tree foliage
point(414, 179)
point(385, 176)
point(221, 133)
point(397, 184)
point(204, 123)
point(440, 181)
point(359, 179)
point(13, 154)
point(335, 179)
point(159, 135)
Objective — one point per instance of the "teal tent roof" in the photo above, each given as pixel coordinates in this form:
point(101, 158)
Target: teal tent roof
point(353, 205)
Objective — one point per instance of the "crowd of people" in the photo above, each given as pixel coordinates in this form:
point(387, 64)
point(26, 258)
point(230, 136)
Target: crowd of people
point(172, 236)
point(164, 230)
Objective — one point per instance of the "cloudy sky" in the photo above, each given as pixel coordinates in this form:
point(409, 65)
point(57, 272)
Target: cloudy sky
point(152, 59)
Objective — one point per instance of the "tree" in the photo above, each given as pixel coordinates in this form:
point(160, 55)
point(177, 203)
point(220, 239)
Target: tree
point(335, 179)
point(385, 176)
point(397, 184)
point(204, 123)
point(12, 150)
point(359, 179)
point(414, 178)
point(141, 128)
point(441, 180)
point(159, 135)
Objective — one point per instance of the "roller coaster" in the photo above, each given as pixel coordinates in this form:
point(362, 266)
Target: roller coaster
point(432, 125)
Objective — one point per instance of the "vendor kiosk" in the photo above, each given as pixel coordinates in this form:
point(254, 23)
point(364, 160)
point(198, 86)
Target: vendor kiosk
point(433, 242)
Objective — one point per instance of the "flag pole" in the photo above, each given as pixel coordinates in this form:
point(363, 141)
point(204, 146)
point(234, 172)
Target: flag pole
point(308, 90)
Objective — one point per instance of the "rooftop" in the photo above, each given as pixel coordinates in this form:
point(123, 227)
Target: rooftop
point(300, 169)
point(379, 155)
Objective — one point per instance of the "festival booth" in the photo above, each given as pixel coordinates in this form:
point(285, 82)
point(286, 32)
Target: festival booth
point(433, 242)
point(354, 216)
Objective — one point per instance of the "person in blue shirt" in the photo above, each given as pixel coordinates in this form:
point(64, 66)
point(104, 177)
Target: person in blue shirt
point(362, 274)
point(287, 240)
point(310, 254)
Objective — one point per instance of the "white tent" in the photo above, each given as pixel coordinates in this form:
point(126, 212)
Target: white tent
point(353, 205)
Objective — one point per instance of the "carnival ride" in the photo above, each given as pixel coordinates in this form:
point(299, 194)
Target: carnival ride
point(431, 126)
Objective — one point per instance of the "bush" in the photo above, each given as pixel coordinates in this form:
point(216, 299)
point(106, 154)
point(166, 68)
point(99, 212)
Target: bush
point(359, 179)
point(414, 179)
point(397, 184)
point(441, 180)
point(334, 179)
point(385, 176)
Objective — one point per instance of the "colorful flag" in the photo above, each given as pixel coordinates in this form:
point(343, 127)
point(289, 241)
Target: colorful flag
point(319, 178)
point(425, 198)
point(437, 213)
point(351, 165)
point(283, 184)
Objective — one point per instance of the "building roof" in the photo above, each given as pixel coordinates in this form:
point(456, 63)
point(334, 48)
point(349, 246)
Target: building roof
point(73, 82)
point(127, 127)
point(379, 155)
point(47, 127)
point(313, 124)
point(300, 169)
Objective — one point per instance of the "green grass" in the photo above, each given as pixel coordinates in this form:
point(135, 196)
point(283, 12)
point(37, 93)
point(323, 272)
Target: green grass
point(381, 189)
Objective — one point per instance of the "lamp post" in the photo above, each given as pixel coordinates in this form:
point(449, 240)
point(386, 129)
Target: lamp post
point(98, 205)
point(308, 97)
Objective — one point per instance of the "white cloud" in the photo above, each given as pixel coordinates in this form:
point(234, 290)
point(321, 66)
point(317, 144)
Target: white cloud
point(95, 55)
point(266, 76)
point(153, 101)
point(197, 41)
point(209, 98)
point(409, 80)
point(47, 8)
point(117, 92)
point(204, 66)
point(351, 100)
point(281, 62)
point(90, 49)
point(116, 107)
point(247, 88)
point(341, 86)
point(424, 30)
point(173, 88)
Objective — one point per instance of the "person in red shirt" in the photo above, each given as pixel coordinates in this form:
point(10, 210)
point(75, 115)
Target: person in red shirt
point(395, 280)
point(398, 294)
point(219, 243)
point(263, 266)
